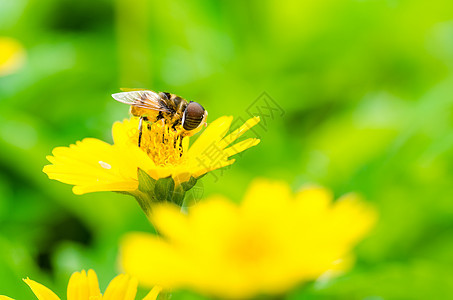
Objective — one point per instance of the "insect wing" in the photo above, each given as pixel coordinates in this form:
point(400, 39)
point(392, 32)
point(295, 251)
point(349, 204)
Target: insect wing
point(143, 99)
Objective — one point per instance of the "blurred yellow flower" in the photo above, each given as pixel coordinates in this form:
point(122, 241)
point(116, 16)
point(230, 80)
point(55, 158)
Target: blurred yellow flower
point(12, 55)
point(268, 244)
point(93, 165)
point(84, 286)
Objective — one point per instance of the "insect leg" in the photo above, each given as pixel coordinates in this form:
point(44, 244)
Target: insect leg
point(140, 126)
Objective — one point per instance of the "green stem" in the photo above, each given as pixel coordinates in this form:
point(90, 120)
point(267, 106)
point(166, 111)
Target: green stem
point(144, 200)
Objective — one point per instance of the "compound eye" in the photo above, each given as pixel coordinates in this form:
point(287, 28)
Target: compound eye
point(193, 116)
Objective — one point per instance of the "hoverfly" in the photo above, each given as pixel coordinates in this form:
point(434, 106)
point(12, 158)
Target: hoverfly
point(178, 113)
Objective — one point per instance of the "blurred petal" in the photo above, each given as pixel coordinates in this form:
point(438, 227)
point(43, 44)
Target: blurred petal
point(312, 200)
point(271, 242)
point(141, 252)
point(265, 195)
point(12, 56)
point(175, 229)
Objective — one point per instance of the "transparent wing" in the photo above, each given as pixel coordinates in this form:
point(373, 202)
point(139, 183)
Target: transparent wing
point(143, 99)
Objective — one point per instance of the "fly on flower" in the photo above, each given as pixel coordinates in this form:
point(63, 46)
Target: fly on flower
point(164, 166)
point(177, 113)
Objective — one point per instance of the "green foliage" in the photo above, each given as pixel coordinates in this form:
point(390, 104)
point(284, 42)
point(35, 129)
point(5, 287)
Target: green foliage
point(365, 87)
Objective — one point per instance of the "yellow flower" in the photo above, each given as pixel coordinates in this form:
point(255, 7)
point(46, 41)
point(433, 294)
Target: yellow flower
point(12, 55)
point(93, 165)
point(268, 244)
point(84, 286)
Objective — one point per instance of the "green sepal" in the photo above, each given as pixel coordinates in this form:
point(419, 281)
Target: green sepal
point(164, 189)
point(178, 195)
point(145, 193)
point(189, 184)
point(151, 191)
point(146, 183)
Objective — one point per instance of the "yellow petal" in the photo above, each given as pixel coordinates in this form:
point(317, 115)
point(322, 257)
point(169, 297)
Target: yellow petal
point(112, 187)
point(131, 290)
point(93, 165)
point(78, 286)
point(203, 169)
point(72, 292)
point(213, 134)
point(239, 132)
point(121, 131)
point(8, 298)
point(41, 292)
point(83, 286)
point(122, 287)
point(152, 295)
point(93, 284)
point(241, 146)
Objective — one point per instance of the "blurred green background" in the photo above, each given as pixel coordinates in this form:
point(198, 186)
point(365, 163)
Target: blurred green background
point(366, 89)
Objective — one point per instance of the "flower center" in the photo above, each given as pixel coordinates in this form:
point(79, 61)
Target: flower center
point(162, 143)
